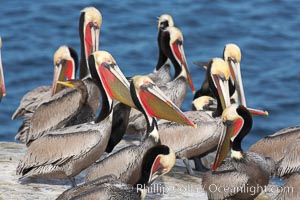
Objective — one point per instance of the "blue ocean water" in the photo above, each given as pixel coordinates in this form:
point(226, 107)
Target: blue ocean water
point(266, 31)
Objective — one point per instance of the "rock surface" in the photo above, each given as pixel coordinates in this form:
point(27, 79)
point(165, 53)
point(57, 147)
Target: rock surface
point(175, 185)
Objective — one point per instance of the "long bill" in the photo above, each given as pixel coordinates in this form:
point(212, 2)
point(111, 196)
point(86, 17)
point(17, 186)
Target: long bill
point(229, 133)
point(157, 104)
point(178, 51)
point(64, 69)
point(114, 79)
point(222, 87)
point(2, 83)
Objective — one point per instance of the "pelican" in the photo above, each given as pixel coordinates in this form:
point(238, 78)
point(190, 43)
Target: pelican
point(2, 84)
point(35, 124)
point(172, 45)
point(244, 170)
point(283, 148)
point(65, 66)
point(232, 55)
point(152, 103)
point(66, 152)
point(157, 161)
point(161, 73)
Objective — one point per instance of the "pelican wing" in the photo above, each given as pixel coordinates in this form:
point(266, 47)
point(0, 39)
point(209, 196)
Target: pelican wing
point(290, 162)
point(54, 113)
point(31, 100)
point(231, 181)
point(57, 148)
point(274, 145)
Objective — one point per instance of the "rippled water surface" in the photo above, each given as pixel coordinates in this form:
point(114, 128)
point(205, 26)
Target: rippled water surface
point(266, 31)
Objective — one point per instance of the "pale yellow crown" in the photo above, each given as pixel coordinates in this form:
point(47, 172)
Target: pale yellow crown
point(62, 53)
point(233, 51)
point(219, 66)
point(229, 113)
point(0, 43)
point(138, 81)
point(92, 15)
point(165, 17)
point(103, 56)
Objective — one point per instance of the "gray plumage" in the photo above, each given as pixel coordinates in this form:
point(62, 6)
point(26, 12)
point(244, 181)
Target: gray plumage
point(274, 145)
point(31, 100)
point(125, 164)
point(66, 152)
point(241, 179)
point(87, 186)
point(290, 190)
point(290, 162)
point(162, 75)
point(64, 109)
point(188, 141)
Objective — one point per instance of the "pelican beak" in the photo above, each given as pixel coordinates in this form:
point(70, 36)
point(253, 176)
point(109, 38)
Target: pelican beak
point(178, 52)
point(201, 64)
point(158, 105)
point(161, 165)
point(91, 37)
point(221, 84)
point(66, 83)
point(235, 73)
point(117, 83)
point(64, 69)
point(2, 83)
point(256, 112)
point(229, 133)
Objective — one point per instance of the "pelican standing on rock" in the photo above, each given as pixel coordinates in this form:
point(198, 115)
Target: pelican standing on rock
point(66, 152)
point(2, 83)
point(75, 112)
point(157, 161)
point(244, 170)
point(152, 103)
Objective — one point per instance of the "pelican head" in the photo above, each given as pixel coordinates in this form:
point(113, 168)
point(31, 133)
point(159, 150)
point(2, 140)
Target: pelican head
point(164, 21)
point(176, 46)
point(151, 100)
point(65, 65)
point(219, 74)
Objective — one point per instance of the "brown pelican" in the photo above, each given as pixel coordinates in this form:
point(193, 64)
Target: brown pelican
point(65, 66)
point(152, 103)
point(34, 124)
point(283, 148)
point(172, 46)
point(161, 73)
point(158, 161)
point(2, 84)
point(203, 103)
point(244, 170)
point(66, 152)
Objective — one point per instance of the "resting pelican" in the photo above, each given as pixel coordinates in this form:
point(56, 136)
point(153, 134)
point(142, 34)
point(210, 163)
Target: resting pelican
point(244, 170)
point(66, 152)
point(157, 161)
point(35, 123)
point(152, 103)
point(283, 148)
point(2, 84)
point(65, 66)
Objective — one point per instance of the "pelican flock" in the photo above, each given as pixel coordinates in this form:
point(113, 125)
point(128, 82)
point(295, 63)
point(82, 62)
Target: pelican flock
point(74, 125)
